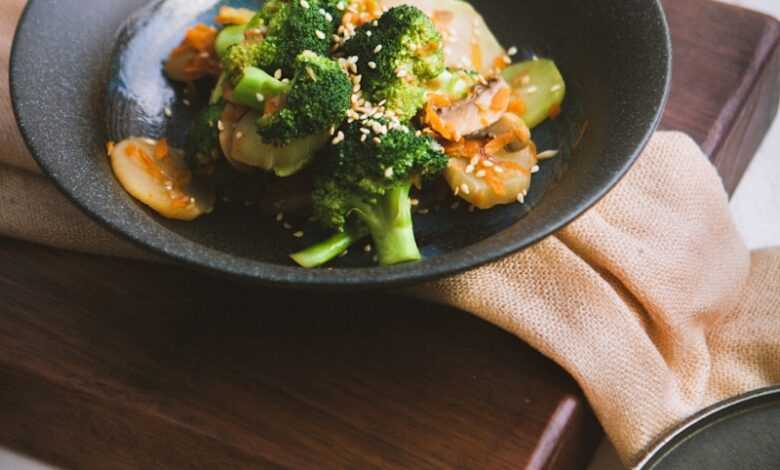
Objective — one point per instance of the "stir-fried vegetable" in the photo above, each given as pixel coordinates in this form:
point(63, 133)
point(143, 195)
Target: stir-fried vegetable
point(382, 95)
point(539, 85)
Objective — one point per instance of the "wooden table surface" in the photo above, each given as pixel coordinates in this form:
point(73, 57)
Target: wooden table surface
point(117, 364)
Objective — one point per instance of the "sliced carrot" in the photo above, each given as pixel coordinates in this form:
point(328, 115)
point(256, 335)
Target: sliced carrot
point(517, 106)
point(110, 147)
point(228, 15)
point(201, 37)
point(439, 100)
point(499, 63)
point(161, 149)
point(500, 100)
point(495, 183)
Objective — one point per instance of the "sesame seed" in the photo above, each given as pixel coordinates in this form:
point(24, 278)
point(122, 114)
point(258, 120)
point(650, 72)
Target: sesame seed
point(464, 188)
point(239, 135)
point(414, 202)
point(469, 169)
point(167, 111)
point(298, 234)
point(304, 4)
point(363, 138)
point(512, 51)
point(377, 48)
point(487, 163)
point(339, 138)
point(521, 198)
point(280, 217)
point(372, 65)
point(186, 102)
point(423, 212)
point(456, 191)
point(220, 125)
point(319, 34)
point(480, 174)
point(344, 253)
point(547, 154)
point(531, 89)
point(369, 33)
point(377, 140)
point(555, 88)
point(367, 248)
point(498, 169)
point(287, 226)
point(260, 97)
point(389, 172)
point(455, 205)
point(278, 74)
point(535, 169)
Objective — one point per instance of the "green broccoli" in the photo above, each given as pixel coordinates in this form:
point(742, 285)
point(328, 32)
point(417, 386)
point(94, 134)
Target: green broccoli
point(255, 86)
point(454, 83)
point(285, 141)
point(397, 55)
point(319, 98)
point(203, 139)
point(291, 26)
point(369, 174)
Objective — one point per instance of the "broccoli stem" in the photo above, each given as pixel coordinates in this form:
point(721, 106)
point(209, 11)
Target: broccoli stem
point(327, 250)
point(255, 86)
point(230, 36)
point(390, 224)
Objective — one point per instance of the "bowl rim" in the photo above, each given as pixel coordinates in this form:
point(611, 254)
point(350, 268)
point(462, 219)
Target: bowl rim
point(271, 274)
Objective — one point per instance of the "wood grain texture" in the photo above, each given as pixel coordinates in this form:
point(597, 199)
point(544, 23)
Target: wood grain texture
point(117, 364)
point(133, 364)
point(726, 80)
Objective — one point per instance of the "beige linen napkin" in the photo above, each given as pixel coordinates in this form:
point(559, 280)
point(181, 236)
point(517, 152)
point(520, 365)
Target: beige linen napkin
point(650, 300)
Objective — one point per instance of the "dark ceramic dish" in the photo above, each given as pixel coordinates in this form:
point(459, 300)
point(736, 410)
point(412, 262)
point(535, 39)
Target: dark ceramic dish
point(87, 71)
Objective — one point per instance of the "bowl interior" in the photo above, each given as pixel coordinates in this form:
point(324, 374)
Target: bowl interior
point(614, 55)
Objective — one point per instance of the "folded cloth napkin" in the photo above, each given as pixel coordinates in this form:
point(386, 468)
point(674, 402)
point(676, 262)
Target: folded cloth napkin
point(650, 300)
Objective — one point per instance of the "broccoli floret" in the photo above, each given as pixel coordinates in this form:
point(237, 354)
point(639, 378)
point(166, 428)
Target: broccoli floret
point(372, 180)
point(397, 56)
point(319, 98)
point(203, 139)
point(291, 28)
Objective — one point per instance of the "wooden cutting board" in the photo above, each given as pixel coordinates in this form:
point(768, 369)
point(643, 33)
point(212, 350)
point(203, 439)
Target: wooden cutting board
point(116, 364)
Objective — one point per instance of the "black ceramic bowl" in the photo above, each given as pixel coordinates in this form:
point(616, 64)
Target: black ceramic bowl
point(86, 71)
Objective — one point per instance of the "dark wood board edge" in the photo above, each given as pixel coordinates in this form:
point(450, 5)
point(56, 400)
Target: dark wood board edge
point(732, 132)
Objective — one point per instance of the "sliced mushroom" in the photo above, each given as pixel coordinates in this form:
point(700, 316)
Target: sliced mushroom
point(509, 123)
point(486, 105)
point(159, 177)
point(486, 181)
